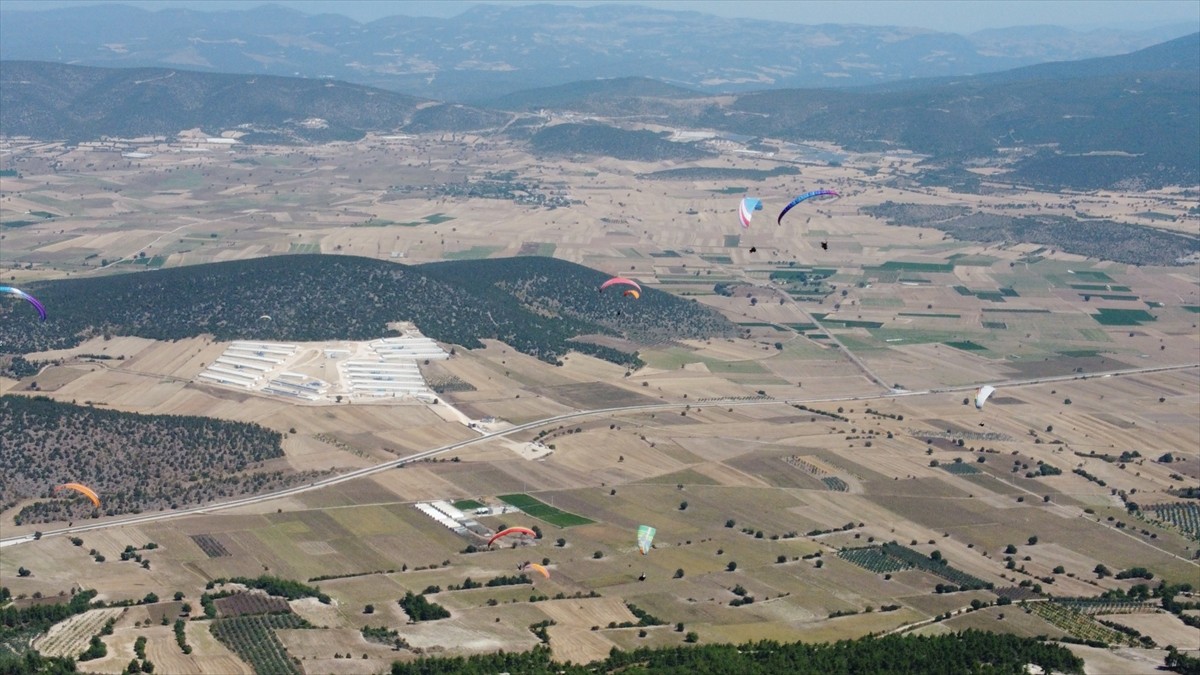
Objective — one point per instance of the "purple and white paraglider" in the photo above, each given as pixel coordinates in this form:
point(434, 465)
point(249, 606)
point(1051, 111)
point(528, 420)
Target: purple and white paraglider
point(22, 294)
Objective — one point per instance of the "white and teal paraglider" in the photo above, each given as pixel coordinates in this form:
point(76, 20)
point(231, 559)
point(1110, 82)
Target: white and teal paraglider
point(645, 538)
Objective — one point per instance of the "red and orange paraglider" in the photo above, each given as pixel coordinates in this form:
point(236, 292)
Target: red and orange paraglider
point(511, 530)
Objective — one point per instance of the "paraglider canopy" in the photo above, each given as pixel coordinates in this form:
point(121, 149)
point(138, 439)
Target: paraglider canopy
point(622, 281)
point(632, 294)
point(803, 197)
point(747, 208)
point(540, 568)
point(511, 530)
point(645, 537)
point(83, 490)
point(41, 310)
point(982, 396)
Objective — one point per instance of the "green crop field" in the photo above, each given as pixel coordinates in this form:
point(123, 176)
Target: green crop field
point(900, 265)
point(717, 259)
point(966, 345)
point(972, 260)
point(733, 240)
point(882, 302)
point(994, 325)
point(1100, 287)
point(730, 190)
point(1092, 275)
point(468, 505)
point(931, 315)
point(543, 511)
point(1122, 317)
point(304, 248)
point(473, 253)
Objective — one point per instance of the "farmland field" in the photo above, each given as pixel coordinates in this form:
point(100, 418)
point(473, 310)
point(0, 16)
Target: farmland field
point(783, 462)
point(544, 511)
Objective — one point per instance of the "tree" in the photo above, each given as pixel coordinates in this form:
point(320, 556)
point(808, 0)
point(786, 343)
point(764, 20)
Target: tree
point(598, 555)
point(150, 599)
point(23, 572)
point(1033, 540)
point(692, 637)
point(731, 566)
point(1010, 549)
point(678, 573)
point(730, 523)
point(560, 542)
point(683, 506)
point(179, 596)
point(1102, 571)
point(369, 609)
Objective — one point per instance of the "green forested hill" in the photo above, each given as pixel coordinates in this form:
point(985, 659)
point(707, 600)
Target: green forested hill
point(534, 304)
point(134, 462)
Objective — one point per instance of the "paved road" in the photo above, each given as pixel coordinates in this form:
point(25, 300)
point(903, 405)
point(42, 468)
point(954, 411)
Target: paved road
point(621, 410)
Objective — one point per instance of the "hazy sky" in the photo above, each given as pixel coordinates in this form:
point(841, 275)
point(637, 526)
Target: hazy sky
point(956, 16)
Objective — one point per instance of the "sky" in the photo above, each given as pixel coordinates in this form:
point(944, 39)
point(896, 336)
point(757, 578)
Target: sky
point(955, 16)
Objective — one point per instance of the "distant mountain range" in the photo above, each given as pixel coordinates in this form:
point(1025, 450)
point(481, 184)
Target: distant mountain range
point(1122, 121)
point(1126, 120)
point(493, 50)
point(50, 100)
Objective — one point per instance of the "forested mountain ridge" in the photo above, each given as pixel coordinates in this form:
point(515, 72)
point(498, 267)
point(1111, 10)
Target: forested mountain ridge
point(58, 101)
point(536, 305)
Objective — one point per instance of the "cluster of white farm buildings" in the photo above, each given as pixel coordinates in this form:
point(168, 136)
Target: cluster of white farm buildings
point(387, 367)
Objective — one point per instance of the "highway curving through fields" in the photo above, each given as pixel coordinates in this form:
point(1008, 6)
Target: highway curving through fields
point(600, 412)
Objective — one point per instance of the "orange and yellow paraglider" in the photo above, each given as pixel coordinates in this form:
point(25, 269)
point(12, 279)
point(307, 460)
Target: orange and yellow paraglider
point(83, 490)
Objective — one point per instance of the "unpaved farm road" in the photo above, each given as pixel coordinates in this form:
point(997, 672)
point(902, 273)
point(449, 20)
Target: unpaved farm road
point(392, 464)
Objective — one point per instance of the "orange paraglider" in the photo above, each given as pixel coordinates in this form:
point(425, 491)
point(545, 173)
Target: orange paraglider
point(83, 490)
point(511, 530)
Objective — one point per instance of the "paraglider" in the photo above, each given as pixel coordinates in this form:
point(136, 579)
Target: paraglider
point(746, 210)
point(806, 195)
point(83, 490)
point(41, 310)
point(632, 294)
point(623, 281)
point(824, 246)
point(982, 396)
point(540, 568)
point(265, 318)
point(645, 536)
point(511, 530)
